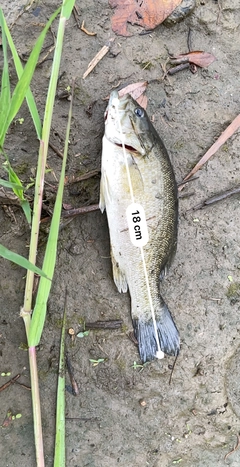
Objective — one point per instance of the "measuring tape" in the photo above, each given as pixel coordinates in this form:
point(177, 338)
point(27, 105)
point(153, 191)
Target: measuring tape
point(138, 229)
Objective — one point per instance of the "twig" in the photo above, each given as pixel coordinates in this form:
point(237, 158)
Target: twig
point(226, 134)
point(23, 385)
point(216, 198)
point(82, 210)
point(11, 381)
point(76, 14)
point(85, 176)
point(74, 384)
point(111, 324)
point(187, 181)
point(189, 40)
point(56, 150)
point(178, 68)
point(74, 212)
point(104, 50)
point(174, 363)
point(234, 449)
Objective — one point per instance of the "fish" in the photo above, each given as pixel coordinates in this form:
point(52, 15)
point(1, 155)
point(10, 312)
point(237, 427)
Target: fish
point(132, 147)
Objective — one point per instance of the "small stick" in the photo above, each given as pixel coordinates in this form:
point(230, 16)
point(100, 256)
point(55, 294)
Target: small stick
point(74, 384)
point(226, 134)
point(216, 198)
point(85, 176)
point(86, 31)
point(104, 50)
point(187, 181)
point(112, 324)
point(74, 212)
point(171, 375)
point(82, 210)
point(23, 385)
point(143, 33)
point(178, 68)
point(76, 14)
point(56, 150)
point(11, 381)
point(189, 40)
point(179, 60)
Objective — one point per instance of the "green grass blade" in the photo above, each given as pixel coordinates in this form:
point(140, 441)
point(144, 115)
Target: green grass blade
point(13, 178)
point(11, 185)
point(5, 84)
point(27, 210)
point(59, 455)
point(17, 188)
point(67, 8)
point(29, 96)
point(39, 312)
point(21, 261)
point(43, 149)
point(22, 86)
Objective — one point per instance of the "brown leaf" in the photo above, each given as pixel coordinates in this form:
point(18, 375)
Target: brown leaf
point(226, 134)
point(145, 13)
point(202, 59)
point(135, 89)
point(143, 101)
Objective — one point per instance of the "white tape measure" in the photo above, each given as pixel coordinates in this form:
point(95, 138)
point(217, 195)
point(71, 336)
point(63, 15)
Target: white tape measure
point(137, 224)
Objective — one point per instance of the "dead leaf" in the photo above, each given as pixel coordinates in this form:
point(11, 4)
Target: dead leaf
point(201, 59)
point(226, 134)
point(136, 90)
point(143, 101)
point(145, 13)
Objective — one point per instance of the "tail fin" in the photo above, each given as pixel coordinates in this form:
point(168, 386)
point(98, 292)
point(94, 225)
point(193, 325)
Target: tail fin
point(167, 333)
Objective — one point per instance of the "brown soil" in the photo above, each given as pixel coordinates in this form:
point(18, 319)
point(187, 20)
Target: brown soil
point(194, 421)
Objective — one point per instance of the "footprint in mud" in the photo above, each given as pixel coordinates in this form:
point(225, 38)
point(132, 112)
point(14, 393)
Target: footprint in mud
point(233, 381)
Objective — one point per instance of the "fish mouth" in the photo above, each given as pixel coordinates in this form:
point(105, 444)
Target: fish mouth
point(127, 147)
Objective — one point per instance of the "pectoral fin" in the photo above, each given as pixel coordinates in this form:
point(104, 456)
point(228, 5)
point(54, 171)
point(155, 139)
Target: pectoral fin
point(102, 204)
point(105, 196)
point(118, 276)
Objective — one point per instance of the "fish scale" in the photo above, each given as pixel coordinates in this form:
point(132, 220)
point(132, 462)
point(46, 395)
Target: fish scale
point(154, 188)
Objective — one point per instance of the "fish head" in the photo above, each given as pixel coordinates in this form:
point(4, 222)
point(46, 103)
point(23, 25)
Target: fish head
point(126, 122)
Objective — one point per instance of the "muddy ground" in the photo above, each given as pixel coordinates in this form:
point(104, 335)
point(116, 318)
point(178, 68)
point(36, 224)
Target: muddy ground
point(194, 421)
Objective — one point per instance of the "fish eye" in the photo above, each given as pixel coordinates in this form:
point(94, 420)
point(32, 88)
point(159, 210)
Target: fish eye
point(139, 112)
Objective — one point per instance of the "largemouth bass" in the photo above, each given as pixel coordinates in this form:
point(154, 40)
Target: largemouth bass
point(154, 188)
